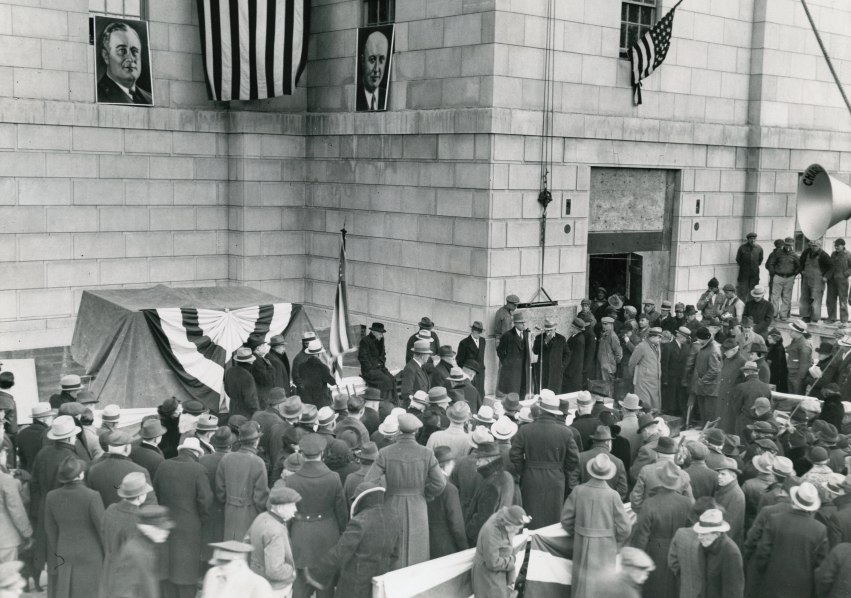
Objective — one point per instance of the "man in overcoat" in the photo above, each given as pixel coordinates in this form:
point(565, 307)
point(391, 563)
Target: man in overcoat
point(503, 321)
point(792, 546)
point(743, 398)
point(472, 348)
point(262, 371)
point(412, 477)
point(705, 373)
point(609, 350)
point(545, 455)
point(749, 259)
point(181, 484)
point(136, 569)
point(367, 548)
point(280, 362)
point(551, 349)
point(730, 376)
point(514, 358)
point(146, 453)
point(596, 518)
point(240, 385)
point(601, 444)
point(438, 375)
point(105, 475)
point(574, 368)
point(214, 530)
point(315, 377)
point(30, 438)
point(321, 516)
point(673, 361)
point(72, 522)
point(413, 376)
point(645, 363)
point(445, 521)
point(799, 357)
point(425, 324)
point(300, 358)
point(242, 484)
point(272, 557)
point(373, 362)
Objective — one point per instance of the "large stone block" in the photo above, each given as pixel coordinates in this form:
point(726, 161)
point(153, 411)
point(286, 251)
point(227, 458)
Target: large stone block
point(148, 244)
point(172, 218)
point(77, 273)
point(44, 247)
point(124, 219)
point(21, 275)
point(45, 303)
point(171, 269)
point(125, 271)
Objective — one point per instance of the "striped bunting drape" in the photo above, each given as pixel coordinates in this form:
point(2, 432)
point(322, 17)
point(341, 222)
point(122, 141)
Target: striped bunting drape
point(253, 49)
point(197, 343)
point(339, 341)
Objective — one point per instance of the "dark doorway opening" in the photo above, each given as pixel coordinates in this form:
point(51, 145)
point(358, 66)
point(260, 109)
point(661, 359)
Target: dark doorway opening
point(618, 273)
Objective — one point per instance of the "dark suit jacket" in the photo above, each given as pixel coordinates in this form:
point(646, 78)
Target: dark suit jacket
point(413, 379)
point(361, 105)
point(409, 348)
point(108, 92)
point(315, 378)
point(673, 362)
point(467, 350)
point(147, 456)
point(281, 365)
point(513, 353)
point(106, 474)
point(242, 390)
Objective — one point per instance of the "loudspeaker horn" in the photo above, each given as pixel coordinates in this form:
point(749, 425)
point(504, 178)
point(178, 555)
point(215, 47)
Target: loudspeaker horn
point(822, 202)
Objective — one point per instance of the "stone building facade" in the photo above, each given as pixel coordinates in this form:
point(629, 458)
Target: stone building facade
point(439, 193)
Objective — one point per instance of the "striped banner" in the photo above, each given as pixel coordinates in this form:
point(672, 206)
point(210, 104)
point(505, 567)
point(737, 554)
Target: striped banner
point(339, 342)
point(549, 571)
point(253, 49)
point(197, 343)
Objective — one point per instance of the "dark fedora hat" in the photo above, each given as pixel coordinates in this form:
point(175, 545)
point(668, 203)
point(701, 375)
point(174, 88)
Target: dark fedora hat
point(377, 327)
point(425, 322)
point(69, 469)
point(666, 446)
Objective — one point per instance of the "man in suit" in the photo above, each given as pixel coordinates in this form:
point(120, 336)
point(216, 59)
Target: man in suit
point(574, 369)
point(146, 452)
point(513, 353)
point(426, 331)
point(121, 51)
point(473, 348)
point(674, 355)
point(280, 362)
point(373, 61)
point(240, 385)
point(315, 377)
point(413, 376)
point(372, 356)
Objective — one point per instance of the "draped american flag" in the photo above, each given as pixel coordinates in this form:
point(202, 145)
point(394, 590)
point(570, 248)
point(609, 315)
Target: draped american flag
point(649, 52)
point(253, 49)
point(339, 342)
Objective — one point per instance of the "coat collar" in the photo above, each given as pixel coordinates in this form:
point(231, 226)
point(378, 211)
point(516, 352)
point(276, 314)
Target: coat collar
point(313, 469)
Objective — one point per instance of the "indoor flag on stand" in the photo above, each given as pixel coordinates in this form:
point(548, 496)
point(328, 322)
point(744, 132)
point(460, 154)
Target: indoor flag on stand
point(649, 52)
point(253, 49)
point(339, 341)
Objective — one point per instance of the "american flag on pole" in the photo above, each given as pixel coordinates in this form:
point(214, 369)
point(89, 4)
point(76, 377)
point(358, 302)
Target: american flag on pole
point(649, 52)
point(253, 49)
point(340, 342)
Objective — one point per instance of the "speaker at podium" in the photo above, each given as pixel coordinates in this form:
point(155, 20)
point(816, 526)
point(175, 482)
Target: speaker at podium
point(823, 201)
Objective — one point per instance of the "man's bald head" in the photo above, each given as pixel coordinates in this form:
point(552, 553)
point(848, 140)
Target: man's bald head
point(374, 60)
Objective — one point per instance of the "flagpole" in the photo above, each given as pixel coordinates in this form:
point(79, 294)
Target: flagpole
point(826, 57)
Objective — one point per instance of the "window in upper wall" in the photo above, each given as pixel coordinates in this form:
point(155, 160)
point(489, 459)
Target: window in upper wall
point(131, 9)
point(379, 12)
point(637, 17)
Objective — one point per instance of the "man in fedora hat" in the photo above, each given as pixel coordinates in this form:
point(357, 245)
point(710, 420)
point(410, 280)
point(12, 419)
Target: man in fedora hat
point(574, 367)
point(460, 389)
point(441, 370)
point(755, 488)
point(597, 532)
point(601, 443)
point(745, 394)
point(664, 512)
point(387, 432)
point(119, 524)
point(673, 358)
point(609, 350)
point(146, 452)
point(261, 369)
point(709, 303)
point(30, 438)
point(322, 514)
point(552, 352)
point(306, 338)
point(730, 496)
point(792, 546)
point(373, 362)
point(73, 515)
point(272, 554)
point(702, 371)
point(653, 475)
point(315, 377)
point(514, 357)
point(455, 437)
point(798, 356)
point(760, 311)
point(723, 574)
point(182, 485)
point(425, 325)
point(365, 457)
point(70, 385)
point(503, 321)
point(464, 473)
point(413, 376)
point(646, 365)
point(731, 374)
point(649, 434)
point(272, 415)
point(61, 438)
point(546, 456)
point(239, 384)
point(136, 568)
point(280, 362)
point(445, 520)
point(412, 477)
point(630, 410)
point(472, 348)
point(230, 574)
point(105, 475)
point(438, 401)
point(242, 483)
point(783, 266)
point(496, 490)
point(355, 418)
point(494, 575)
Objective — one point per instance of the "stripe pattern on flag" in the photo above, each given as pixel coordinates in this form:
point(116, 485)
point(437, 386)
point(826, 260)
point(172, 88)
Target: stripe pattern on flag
point(548, 574)
point(339, 341)
point(253, 49)
point(197, 343)
point(649, 52)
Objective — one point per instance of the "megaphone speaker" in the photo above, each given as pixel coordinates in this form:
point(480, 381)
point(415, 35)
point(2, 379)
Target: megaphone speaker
point(823, 202)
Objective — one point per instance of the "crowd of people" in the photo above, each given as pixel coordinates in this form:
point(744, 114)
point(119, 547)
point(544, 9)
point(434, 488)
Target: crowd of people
point(293, 490)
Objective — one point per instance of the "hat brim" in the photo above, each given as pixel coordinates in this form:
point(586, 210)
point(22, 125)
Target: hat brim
point(74, 432)
point(793, 495)
point(70, 388)
point(711, 530)
point(607, 475)
point(52, 412)
point(146, 489)
point(552, 411)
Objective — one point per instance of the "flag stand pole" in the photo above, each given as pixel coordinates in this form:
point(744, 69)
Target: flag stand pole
point(826, 57)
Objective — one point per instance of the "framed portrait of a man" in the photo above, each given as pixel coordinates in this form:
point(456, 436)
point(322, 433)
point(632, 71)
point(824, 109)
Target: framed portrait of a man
point(122, 62)
point(375, 56)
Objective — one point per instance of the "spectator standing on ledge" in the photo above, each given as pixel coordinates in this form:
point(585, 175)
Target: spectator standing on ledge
point(749, 259)
point(816, 270)
point(783, 266)
point(503, 321)
point(837, 283)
